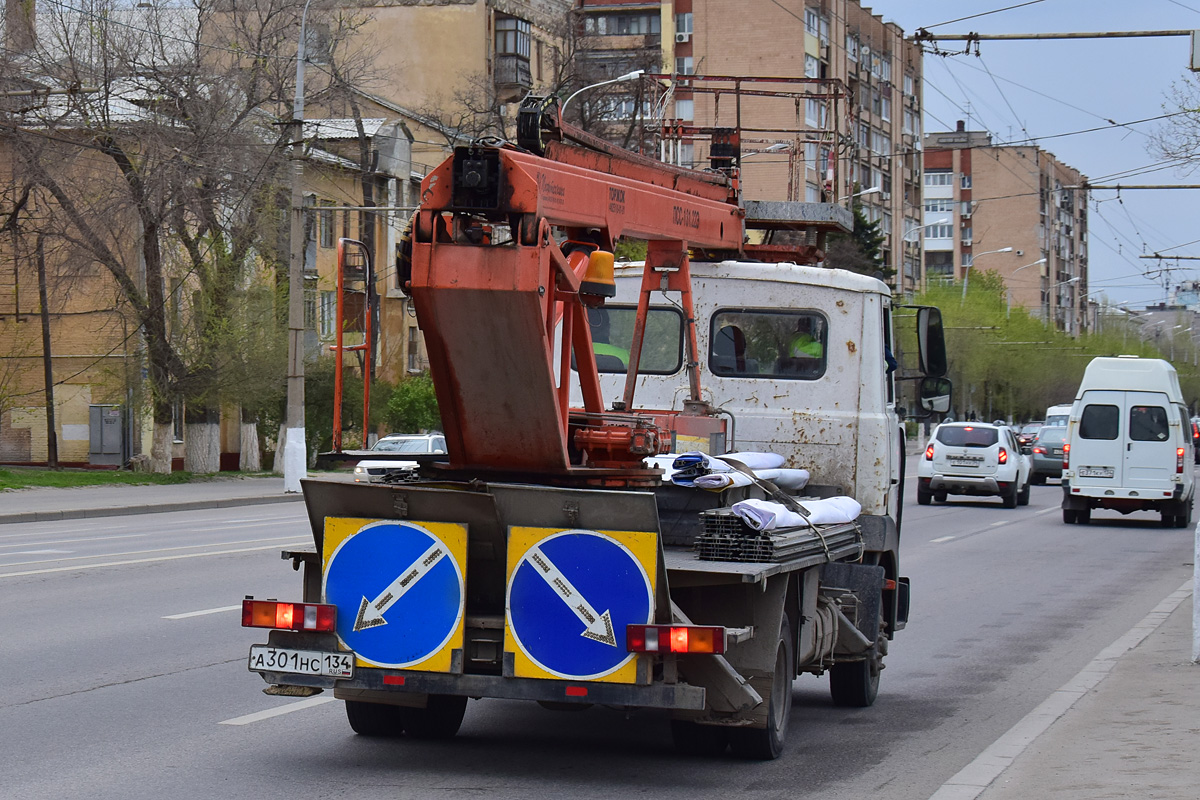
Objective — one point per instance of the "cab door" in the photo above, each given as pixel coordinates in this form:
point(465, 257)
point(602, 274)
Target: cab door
point(1098, 443)
point(1150, 442)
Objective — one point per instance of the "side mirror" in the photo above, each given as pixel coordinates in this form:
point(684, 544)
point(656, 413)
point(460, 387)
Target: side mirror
point(934, 395)
point(931, 341)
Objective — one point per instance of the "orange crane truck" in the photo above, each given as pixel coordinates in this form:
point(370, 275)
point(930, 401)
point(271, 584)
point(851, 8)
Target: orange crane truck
point(563, 551)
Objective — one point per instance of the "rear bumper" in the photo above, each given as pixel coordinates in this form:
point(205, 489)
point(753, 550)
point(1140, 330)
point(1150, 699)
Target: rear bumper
point(962, 484)
point(1119, 499)
point(377, 685)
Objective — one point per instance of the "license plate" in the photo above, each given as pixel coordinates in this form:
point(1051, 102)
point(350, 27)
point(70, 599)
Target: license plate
point(301, 662)
point(1095, 472)
point(965, 462)
point(1056, 451)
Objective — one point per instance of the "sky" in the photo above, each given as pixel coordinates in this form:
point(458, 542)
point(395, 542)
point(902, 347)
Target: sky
point(1022, 89)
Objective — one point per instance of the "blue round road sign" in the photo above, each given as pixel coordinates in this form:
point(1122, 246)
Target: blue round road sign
point(399, 593)
point(569, 600)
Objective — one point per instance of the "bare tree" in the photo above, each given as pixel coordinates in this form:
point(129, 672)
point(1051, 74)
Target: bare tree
point(157, 168)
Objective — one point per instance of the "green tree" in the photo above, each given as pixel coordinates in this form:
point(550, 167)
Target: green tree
point(860, 250)
point(413, 406)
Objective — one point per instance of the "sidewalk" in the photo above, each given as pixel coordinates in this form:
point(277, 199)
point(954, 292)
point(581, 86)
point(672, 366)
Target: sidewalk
point(39, 505)
point(1125, 727)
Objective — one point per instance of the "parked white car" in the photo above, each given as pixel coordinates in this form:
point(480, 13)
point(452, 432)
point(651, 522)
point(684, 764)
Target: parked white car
point(974, 458)
point(392, 470)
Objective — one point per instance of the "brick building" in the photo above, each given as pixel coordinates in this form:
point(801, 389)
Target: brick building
point(863, 103)
point(981, 198)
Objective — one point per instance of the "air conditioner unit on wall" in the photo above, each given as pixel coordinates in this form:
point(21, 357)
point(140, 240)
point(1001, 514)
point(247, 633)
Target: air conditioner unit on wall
point(682, 38)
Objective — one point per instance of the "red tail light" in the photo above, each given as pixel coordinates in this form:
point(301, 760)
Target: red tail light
point(1003, 457)
point(1066, 456)
point(1179, 460)
point(1041, 450)
point(674, 639)
point(929, 453)
point(288, 616)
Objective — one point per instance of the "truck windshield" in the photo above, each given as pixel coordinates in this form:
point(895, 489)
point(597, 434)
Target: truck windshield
point(967, 436)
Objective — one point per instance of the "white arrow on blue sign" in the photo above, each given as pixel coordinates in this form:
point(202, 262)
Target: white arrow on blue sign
point(398, 591)
point(570, 598)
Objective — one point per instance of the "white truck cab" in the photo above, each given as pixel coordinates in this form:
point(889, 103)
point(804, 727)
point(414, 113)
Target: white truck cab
point(1129, 443)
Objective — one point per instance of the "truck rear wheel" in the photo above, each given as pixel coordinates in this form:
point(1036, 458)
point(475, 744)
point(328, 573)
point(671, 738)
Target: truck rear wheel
point(440, 719)
point(764, 744)
point(374, 719)
point(924, 498)
point(855, 684)
point(699, 740)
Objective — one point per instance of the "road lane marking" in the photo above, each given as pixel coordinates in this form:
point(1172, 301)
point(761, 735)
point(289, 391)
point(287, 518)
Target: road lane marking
point(75, 541)
point(227, 526)
point(973, 779)
point(942, 539)
point(49, 570)
point(259, 716)
point(1046, 511)
point(154, 550)
point(202, 613)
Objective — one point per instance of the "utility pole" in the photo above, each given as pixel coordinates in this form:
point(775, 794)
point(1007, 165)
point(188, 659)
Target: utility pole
point(47, 365)
point(295, 452)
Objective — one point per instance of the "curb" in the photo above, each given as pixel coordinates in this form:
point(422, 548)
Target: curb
point(159, 508)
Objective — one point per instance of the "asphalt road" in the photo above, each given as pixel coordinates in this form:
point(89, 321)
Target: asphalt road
point(124, 665)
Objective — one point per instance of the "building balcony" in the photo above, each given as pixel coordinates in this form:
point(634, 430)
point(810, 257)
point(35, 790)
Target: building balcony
point(512, 76)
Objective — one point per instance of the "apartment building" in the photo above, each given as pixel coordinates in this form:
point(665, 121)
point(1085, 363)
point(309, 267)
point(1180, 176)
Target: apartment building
point(854, 126)
point(1016, 210)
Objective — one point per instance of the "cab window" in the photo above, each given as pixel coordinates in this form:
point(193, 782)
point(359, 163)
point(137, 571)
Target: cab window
point(612, 339)
point(1148, 424)
point(781, 345)
point(1099, 422)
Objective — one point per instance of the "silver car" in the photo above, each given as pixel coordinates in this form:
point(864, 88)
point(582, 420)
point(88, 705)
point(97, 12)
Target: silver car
point(391, 470)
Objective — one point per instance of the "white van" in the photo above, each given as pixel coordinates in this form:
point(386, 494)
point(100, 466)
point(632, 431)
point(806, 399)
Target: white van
point(1129, 443)
point(1057, 416)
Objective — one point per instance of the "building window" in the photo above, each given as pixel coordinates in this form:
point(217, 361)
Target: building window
point(328, 317)
point(938, 205)
point(885, 107)
point(940, 232)
point(512, 37)
point(909, 85)
point(685, 109)
point(683, 22)
point(683, 66)
point(812, 193)
point(966, 181)
point(814, 113)
point(414, 350)
point(939, 265)
point(812, 66)
point(851, 47)
point(626, 24)
point(940, 178)
point(325, 216)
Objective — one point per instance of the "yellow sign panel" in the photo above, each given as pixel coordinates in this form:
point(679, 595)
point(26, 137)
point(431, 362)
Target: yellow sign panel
point(400, 590)
point(571, 594)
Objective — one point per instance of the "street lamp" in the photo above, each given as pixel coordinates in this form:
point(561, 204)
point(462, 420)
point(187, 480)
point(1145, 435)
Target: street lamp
point(628, 76)
point(295, 450)
point(967, 268)
point(923, 227)
point(1008, 289)
point(872, 190)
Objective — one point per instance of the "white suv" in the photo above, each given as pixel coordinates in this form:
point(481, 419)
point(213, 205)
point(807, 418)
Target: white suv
point(974, 458)
point(391, 470)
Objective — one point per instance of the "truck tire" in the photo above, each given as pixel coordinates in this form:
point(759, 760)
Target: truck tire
point(440, 719)
point(855, 684)
point(764, 744)
point(1023, 496)
point(1070, 516)
point(1083, 516)
point(939, 497)
point(699, 740)
point(374, 719)
point(924, 498)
